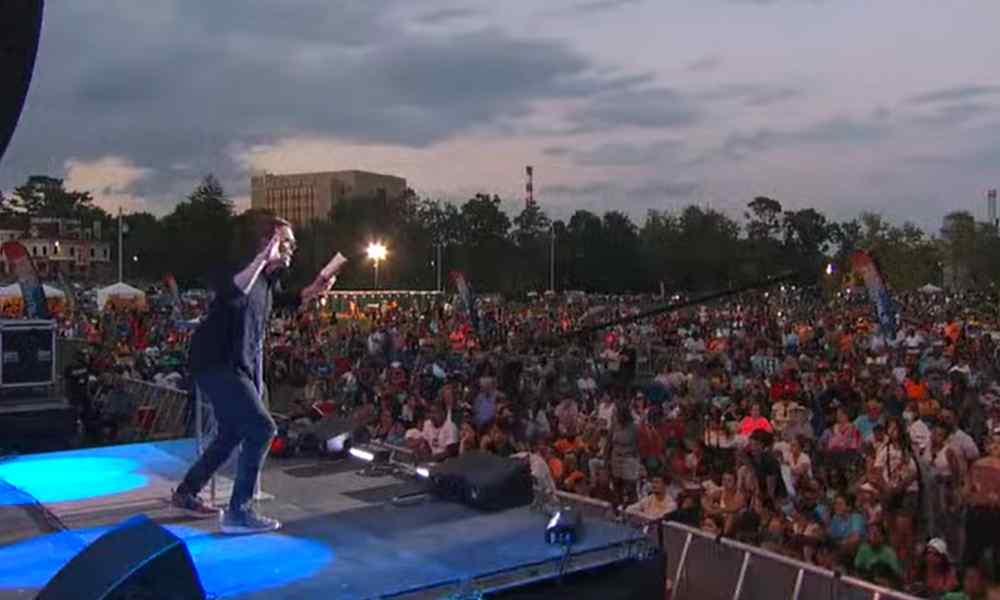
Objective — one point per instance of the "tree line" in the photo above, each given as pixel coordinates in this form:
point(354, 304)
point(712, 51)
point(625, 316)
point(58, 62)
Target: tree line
point(694, 249)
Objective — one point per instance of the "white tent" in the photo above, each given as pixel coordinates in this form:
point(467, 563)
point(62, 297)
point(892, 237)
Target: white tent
point(14, 291)
point(930, 289)
point(122, 291)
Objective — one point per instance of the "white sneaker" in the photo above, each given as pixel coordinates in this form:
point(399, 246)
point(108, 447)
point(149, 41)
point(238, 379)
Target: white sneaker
point(245, 522)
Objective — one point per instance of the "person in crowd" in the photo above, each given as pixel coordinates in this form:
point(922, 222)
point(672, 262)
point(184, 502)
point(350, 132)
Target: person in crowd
point(866, 423)
point(936, 575)
point(724, 502)
point(624, 452)
point(755, 421)
point(973, 586)
point(874, 552)
point(656, 505)
point(982, 500)
point(846, 526)
point(437, 439)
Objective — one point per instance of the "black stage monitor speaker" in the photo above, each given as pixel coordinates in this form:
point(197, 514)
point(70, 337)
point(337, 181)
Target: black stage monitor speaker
point(483, 480)
point(28, 351)
point(20, 27)
point(136, 560)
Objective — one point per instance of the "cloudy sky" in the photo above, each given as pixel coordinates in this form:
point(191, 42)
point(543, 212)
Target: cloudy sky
point(846, 105)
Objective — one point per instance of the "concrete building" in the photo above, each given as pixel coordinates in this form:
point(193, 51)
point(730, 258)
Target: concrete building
point(306, 197)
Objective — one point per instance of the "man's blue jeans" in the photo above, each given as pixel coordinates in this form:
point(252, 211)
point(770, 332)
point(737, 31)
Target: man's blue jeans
point(242, 418)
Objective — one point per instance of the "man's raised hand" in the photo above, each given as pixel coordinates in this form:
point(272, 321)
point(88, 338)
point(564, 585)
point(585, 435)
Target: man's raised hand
point(272, 252)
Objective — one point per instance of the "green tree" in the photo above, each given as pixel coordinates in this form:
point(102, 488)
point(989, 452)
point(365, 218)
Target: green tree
point(584, 239)
point(200, 232)
point(47, 197)
point(146, 247)
point(807, 239)
point(533, 239)
point(763, 219)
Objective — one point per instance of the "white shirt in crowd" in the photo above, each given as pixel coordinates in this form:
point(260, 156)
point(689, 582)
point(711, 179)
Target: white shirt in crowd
point(439, 438)
point(653, 508)
point(964, 445)
point(606, 414)
point(920, 440)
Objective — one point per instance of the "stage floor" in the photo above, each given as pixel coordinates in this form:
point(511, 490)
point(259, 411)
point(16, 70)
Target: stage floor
point(342, 537)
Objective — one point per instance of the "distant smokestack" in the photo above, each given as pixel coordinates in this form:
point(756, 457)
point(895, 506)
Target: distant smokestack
point(529, 187)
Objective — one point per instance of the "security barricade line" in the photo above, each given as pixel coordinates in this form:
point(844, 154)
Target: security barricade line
point(705, 567)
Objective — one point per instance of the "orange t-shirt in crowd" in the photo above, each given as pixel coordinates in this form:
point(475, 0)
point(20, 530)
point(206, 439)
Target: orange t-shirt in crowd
point(952, 331)
point(567, 445)
point(556, 468)
point(915, 391)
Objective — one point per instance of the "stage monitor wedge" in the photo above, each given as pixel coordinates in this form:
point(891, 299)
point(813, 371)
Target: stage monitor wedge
point(136, 560)
point(484, 481)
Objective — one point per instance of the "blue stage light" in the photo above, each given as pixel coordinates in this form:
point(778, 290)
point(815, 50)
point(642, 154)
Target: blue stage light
point(563, 527)
point(233, 565)
point(66, 479)
point(227, 565)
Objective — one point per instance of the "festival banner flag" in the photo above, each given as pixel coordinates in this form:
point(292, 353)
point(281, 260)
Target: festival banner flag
point(31, 286)
point(70, 294)
point(864, 265)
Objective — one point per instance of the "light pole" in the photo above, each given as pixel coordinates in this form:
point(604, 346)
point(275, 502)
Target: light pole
point(439, 247)
point(377, 253)
point(552, 260)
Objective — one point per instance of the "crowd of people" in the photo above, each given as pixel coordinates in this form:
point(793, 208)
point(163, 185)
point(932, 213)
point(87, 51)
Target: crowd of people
point(785, 418)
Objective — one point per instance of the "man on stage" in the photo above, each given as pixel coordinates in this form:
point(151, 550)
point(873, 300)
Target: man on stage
point(226, 361)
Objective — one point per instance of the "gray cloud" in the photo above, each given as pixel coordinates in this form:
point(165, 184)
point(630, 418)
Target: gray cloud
point(982, 158)
point(446, 15)
point(651, 108)
point(587, 7)
point(561, 201)
point(556, 151)
point(603, 5)
point(951, 115)
point(184, 82)
point(596, 188)
point(704, 65)
point(667, 189)
point(646, 190)
point(838, 130)
point(751, 94)
point(952, 94)
point(628, 154)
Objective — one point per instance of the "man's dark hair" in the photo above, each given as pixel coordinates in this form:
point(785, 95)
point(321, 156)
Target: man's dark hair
point(253, 229)
point(265, 224)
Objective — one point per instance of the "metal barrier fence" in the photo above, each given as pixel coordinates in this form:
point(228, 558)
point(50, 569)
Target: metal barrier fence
point(703, 567)
point(145, 411)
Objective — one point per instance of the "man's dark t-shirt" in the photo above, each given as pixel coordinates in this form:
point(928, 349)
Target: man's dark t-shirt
point(765, 465)
point(232, 334)
point(77, 377)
